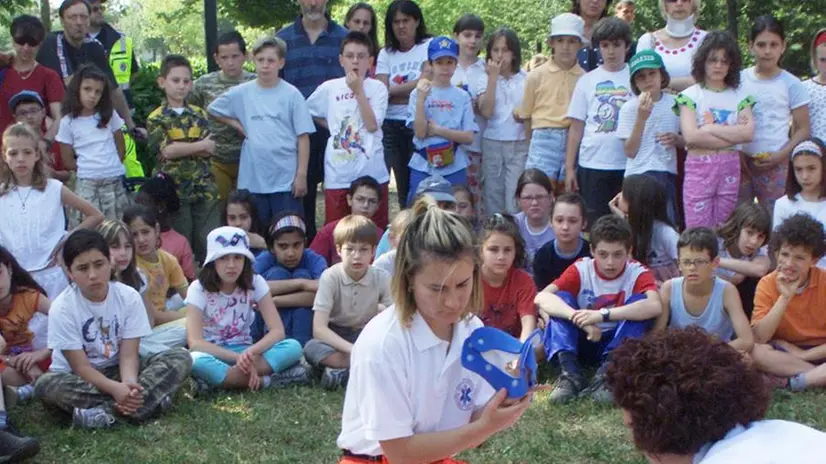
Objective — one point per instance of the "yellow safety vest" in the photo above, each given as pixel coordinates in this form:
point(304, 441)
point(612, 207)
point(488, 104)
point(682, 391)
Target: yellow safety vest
point(120, 60)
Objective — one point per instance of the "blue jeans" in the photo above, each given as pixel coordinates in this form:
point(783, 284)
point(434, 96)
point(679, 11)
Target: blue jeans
point(416, 177)
point(298, 322)
point(669, 181)
point(270, 205)
point(547, 152)
point(564, 335)
point(214, 371)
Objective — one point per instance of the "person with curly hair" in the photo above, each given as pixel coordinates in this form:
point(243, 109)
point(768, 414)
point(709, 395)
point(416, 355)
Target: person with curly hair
point(688, 397)
point(789, 319)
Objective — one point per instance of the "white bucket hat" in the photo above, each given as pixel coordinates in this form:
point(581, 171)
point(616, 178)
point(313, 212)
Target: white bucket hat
point(228, 241)
point(568, 24)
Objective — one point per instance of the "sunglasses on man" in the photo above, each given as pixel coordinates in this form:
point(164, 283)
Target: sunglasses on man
point(26, 40)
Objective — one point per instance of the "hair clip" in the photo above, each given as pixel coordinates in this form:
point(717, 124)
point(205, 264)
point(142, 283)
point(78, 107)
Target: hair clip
point(489, 351)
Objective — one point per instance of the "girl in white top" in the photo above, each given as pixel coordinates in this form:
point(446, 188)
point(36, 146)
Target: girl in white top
point(399, 66)
point(805, 189)
point(504, 140)
point(221, 307)
point(781, 100)
point(816, 86)
point(33, 225)
point(677, 42)
point(409, 399)
point(91, 142)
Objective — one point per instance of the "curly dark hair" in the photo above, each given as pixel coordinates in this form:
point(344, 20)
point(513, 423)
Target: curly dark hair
point(718, 40)
point(800, 230)
point(611, 229)
point(684, 388)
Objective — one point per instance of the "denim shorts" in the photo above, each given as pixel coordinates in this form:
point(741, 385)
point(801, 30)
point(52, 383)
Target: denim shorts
point(547, 152)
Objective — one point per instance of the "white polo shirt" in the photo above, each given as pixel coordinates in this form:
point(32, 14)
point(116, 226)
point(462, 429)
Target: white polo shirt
point(405, 381)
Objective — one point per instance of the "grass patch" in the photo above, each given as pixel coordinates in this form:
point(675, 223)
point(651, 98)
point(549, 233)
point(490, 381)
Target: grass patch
point(301, 425)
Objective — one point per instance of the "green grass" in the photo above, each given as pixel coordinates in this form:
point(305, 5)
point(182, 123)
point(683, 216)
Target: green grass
point(301, 425)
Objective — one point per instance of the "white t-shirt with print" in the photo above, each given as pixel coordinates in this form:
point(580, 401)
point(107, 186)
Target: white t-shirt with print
point(352, 151)
point(76, 323)
point(715, 107)
point(97, 154)
point(509, 92)
point(468, 79)
point(598, 97)
point(652, 155)
point(817, 107)
point(776, 99)
point(227, 318)
point(401, 68)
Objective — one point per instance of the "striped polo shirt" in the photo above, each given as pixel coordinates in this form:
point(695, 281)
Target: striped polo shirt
point(308, 65)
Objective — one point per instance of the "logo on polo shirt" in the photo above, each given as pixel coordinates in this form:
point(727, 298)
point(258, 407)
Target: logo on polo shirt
point(464, 395)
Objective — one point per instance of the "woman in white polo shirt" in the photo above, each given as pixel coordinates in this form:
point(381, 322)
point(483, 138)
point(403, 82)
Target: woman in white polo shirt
point(409, 399)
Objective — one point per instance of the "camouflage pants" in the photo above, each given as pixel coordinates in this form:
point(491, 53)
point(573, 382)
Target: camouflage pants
point(160, 375)
point(107, 195)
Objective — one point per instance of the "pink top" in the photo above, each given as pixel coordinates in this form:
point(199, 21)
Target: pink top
point(178, 246)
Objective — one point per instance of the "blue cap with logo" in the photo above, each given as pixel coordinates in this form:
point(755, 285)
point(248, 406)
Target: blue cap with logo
point(442, 46)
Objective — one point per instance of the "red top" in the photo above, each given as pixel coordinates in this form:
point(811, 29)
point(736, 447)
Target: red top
point(42, 80)
point(325, 244)
point(504, 306)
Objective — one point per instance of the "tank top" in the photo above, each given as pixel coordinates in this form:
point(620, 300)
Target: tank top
point(714, 318)
point(32, 224)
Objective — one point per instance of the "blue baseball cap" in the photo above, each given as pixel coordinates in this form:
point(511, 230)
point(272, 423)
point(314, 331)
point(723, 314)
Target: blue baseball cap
point(442, 46)
point(25, 96)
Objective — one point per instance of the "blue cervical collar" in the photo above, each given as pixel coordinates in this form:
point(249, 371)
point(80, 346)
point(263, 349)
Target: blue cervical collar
point(486, 339)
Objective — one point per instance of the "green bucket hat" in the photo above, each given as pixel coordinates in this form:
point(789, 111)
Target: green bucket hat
point(646, 59)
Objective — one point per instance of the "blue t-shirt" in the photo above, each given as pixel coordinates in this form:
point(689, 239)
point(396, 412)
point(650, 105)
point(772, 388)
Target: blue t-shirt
point(273, 118)
point(451, 108)
point(311, 266)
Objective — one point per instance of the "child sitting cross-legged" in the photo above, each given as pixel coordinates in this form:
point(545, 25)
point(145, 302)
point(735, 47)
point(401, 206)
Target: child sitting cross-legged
point(789, 319)
point(349, 294)
point(220, 307)
point(594, 306)
point(292, 272)
point(700, 298)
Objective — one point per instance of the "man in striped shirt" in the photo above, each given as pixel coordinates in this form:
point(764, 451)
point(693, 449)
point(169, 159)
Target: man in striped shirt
point(313, 45)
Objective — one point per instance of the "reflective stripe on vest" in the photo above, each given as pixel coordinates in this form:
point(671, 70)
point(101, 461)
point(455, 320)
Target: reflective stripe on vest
point(120, 60)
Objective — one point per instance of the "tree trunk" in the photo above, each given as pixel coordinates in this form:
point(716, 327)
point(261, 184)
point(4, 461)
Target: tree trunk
point(732, 16)
point(46, 14)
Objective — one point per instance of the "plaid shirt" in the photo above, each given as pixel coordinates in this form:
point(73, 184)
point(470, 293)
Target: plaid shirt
point(191, 174)
point(311, 64)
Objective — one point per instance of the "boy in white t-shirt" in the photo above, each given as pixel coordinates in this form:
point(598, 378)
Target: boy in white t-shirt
point(594, 115)
point(594, 306)
point(649, 127)
point(95, 327)
point(353, 109)
point(349, 294)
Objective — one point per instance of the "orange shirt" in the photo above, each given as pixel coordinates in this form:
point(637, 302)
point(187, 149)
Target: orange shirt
point(15, 325)
point(804, 322)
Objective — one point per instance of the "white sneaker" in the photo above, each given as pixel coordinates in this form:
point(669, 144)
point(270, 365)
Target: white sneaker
point(298, 374)
point(92, 418)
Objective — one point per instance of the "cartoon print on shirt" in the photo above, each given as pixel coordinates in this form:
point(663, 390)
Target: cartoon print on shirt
point(611, 98)
point(717, 116)
point(348, 141)
point(233, 327)
point(104, 332)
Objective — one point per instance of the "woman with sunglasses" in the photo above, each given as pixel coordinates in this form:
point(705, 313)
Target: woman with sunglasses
point(24, 73)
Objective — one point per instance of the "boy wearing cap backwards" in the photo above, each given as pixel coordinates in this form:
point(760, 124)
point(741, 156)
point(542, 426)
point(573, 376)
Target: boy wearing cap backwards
point(352, 108)
point(27, 107)
point(649, 128)
point(548, 92)
point(598, 170)
point(349, 294)
point(441, 116)
point(789, 319)
point(292, 274)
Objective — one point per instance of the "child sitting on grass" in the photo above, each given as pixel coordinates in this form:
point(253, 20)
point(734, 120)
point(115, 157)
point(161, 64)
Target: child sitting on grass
point(699, 298)
point(349, 294)
point(292, 273)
